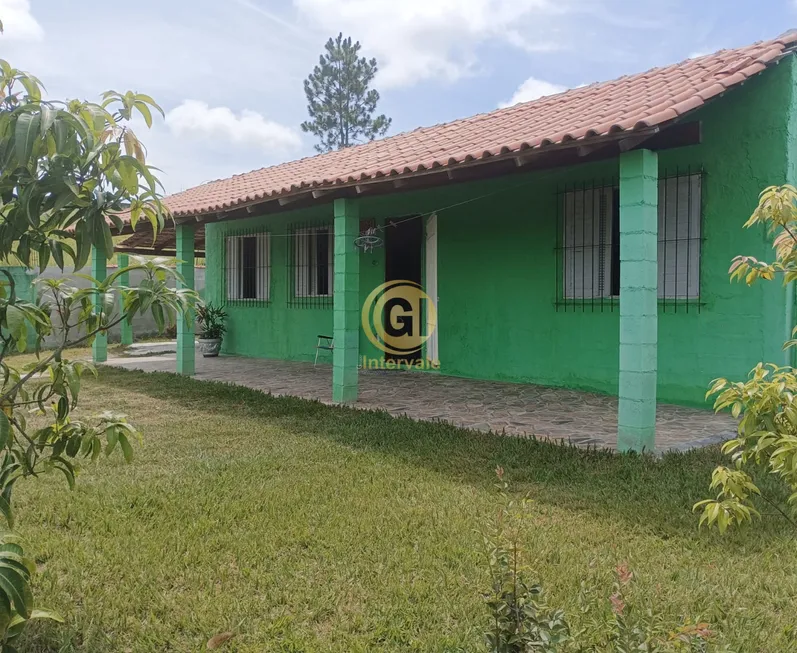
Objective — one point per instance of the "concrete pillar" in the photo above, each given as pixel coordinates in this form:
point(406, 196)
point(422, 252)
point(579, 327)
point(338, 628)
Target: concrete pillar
point(639, 222)
point(186, 345)
point(346, 332)
point(123, 261)
point(99, 270)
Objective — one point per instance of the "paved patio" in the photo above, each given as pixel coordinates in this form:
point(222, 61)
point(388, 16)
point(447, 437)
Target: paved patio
point(504, 408)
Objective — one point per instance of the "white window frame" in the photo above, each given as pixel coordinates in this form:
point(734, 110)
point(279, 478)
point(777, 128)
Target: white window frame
point(305, 262)
point(234, 271)
point(680, 212)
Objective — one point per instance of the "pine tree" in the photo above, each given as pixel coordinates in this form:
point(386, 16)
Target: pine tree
point(340, 103)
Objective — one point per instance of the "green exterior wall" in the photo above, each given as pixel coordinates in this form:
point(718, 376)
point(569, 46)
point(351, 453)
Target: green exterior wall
point(23, 282)
point(497, 267)
point(277, 330)
point(24, 288)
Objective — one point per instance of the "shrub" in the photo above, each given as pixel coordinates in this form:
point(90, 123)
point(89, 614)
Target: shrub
point(211, 320)
point(522, 622)
point(765, 403)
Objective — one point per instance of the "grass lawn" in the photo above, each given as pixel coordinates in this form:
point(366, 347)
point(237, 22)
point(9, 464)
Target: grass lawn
point(302, 527)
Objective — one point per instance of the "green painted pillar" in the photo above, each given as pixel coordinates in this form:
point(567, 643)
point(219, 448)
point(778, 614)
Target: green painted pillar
point(186, 346)
point(126, 326)
point(99, 270)
point(346, 332)
point(639, 273)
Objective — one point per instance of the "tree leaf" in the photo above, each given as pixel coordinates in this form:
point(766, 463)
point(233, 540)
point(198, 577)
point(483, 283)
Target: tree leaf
point(15, 319)
point(6, 614)
point(6, 511)
point(113, 437)
point(32, 86)
point(5, 430)
point(16, 588)
point(217, 641)
point(127, 450)
point(57, 251)
point(44, 613)
point(26, 132)
point(47, 117)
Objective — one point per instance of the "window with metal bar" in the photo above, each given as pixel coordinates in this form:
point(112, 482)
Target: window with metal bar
point(679, 237)
point(588, 244)
point(587, 261)
point(311, 257)
point(248, 268)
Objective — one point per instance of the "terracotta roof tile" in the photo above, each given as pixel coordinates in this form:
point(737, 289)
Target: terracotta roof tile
point(632, 102)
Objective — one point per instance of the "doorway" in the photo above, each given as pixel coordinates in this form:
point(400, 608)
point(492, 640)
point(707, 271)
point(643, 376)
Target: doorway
point(403, 262)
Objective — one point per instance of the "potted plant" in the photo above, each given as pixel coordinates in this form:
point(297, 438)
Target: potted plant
point(211, 321)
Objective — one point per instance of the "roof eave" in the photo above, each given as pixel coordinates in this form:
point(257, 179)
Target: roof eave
point(679, 132)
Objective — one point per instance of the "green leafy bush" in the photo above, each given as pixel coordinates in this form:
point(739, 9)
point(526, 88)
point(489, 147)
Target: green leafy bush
point(765, 402)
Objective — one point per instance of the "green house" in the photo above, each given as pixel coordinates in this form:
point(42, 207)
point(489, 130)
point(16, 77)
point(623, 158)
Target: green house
point(581, 240)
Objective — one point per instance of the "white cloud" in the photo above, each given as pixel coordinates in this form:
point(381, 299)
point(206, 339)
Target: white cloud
point(415, 40)
point(533, 89)
point(196, 119)
point(215, 52)
point(18, 21)
point(210, 51)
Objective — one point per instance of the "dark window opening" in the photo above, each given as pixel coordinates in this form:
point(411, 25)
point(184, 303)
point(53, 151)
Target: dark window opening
point(615, 240)
point(248, 268)
point(322, 263)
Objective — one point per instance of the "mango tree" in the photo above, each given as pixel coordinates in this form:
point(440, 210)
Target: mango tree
point(70, 173)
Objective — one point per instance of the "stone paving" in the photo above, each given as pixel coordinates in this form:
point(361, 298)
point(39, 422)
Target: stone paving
point(586, 419)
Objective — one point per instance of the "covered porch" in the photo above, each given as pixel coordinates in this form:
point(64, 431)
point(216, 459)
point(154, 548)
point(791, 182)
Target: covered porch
point(634, 420)
point(512, 409)
point(630, 423)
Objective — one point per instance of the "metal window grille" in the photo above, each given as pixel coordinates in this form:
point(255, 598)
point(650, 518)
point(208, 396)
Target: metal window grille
point(588, 244)
point(680, 239)
point(311, 255)
point(587, 252)
point(247, 268)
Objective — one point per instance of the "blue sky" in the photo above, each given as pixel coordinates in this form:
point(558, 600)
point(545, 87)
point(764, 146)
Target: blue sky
point(229, 72)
